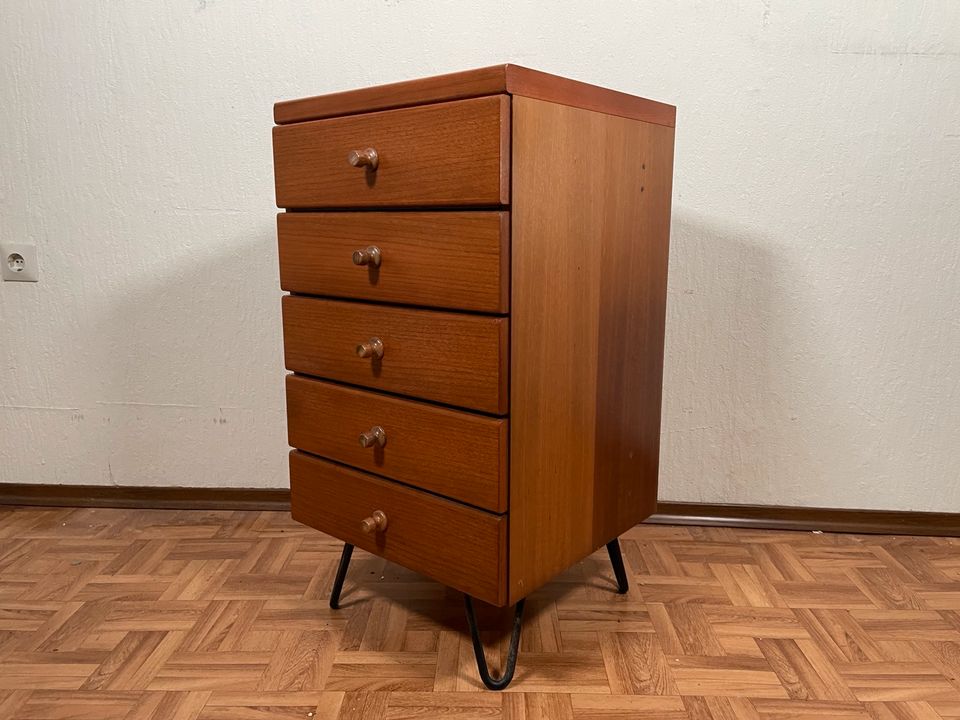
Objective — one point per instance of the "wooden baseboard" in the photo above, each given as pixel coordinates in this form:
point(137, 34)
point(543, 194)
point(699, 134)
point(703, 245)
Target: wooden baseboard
point(780, 517)
point(770, 517)
point(173, 498)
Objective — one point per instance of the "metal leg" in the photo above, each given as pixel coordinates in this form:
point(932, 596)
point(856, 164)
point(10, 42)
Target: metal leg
point(341, 574)
point(616, 559)
point(504, 680)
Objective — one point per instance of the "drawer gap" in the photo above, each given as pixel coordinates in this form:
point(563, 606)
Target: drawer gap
point(381, 303)
point(400, 396)
point(395, 208)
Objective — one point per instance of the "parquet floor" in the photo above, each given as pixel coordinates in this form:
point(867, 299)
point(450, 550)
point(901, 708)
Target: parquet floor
point(146, 614)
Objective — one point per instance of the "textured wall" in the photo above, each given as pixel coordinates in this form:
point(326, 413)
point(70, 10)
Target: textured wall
point(813, 337)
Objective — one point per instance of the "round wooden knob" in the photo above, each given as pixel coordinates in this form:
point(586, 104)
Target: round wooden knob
point(367, 256)
point(374, 436)
point(364, 158)
point(372, 348)
point(377, 522)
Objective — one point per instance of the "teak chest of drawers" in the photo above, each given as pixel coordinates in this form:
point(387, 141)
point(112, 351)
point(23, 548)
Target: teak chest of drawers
point(476, 266)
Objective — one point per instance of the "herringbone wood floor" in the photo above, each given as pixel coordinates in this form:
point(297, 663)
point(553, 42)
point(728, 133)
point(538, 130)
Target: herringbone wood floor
point(164, 614)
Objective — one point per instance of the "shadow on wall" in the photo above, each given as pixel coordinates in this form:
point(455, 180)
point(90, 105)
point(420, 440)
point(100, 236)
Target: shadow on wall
point(192, 393)
point(728, 433)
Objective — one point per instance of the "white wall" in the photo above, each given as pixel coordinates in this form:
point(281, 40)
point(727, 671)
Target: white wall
point(813, 349)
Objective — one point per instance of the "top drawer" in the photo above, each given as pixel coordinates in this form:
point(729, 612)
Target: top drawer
point(454, 153)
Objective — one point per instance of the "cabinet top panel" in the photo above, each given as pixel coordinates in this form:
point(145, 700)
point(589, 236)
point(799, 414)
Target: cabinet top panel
point(511, 79)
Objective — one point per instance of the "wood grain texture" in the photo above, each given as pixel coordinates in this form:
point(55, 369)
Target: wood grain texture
point(456, 260)
point(439, 88)
point(498, 79)
point(452, 453)
point(455, 153)
point(458, 546)
point(524, 82)
point(173, 615)
point(590, 233)
point(447, 357)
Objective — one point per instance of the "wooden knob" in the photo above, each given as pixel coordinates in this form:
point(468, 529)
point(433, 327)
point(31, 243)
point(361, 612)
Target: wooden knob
point(374, 436)
point(377, 522)
point(367, 256)
point(372, 348)
point(364, 158)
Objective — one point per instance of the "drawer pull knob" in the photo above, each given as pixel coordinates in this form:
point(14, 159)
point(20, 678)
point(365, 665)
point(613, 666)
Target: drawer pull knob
point(377, 522)
point(373, 436)
point(372, 348)
point(367, 256)
point(364, 158)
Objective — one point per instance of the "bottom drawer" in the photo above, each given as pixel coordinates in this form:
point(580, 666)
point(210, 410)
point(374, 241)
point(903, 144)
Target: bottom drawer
point(452, 543)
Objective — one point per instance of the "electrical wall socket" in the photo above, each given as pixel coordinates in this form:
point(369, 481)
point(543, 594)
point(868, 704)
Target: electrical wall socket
point(18, 262)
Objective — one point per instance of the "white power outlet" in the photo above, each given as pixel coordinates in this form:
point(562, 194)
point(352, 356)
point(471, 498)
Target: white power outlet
point(18, 262)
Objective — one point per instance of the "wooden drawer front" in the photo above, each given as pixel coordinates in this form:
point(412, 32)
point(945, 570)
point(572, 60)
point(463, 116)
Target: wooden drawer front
point(457, 260)
point(457, 454)
point(454, 153)
point(456, 545)
point(447, 357)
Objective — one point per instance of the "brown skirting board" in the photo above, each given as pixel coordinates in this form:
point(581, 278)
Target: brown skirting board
point(173, 498)
point(774, 517)
point(779, 517)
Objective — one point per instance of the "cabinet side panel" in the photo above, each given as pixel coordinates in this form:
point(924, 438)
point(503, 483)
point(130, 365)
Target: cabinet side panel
point(590, 232)
point(633, 298)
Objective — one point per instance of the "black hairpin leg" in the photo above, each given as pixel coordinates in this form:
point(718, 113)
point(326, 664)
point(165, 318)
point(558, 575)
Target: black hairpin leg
point(341, 574)
point(504, 680)
point(616, 559)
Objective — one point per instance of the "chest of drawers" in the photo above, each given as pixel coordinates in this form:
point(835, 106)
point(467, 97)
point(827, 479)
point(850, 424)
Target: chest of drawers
point(476, 266)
